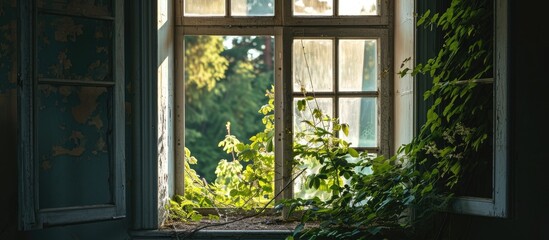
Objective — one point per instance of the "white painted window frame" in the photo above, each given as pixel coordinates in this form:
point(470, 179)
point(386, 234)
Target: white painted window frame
point(498, 204)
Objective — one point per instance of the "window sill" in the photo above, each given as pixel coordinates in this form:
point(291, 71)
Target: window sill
point(211, 234)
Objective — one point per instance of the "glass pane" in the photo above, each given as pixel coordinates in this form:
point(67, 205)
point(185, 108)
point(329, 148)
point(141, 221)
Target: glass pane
point(313, 7)
point(324, 104)
point(74, 142)
point(361, 115)
point(201, 8)
point(88, 8)
point(252, 8)
point(74, 48)
point(357, 7)
point(226, 79)
point(358, 65)
point(312, 64)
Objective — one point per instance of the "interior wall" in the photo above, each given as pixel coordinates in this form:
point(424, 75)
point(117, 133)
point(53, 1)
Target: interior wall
point(8, 118)
point(165, 105)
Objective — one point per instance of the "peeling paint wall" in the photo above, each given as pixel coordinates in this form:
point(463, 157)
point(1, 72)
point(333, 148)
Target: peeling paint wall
point(165, 106)
point(74, 48)
point(74, 123)
point(73, 140)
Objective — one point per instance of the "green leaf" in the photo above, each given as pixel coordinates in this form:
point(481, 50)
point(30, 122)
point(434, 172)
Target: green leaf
point(317, 113)
point(427, 189)
point(196, 217)
point(455, 168)
point(353, 152)
point(301, 105)
point(423, 17)
point(345, 129)
point(233, 192)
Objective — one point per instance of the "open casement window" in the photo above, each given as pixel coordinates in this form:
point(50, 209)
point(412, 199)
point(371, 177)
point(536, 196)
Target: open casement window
point(495, 203)
point(342, 47)
point(484, 191)
point(71, 152)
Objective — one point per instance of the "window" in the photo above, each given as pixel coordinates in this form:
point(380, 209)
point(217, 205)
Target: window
point(484, 190)
point(496, 204)
point(332, 50)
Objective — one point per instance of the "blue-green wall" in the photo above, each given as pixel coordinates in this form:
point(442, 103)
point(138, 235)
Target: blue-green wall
point(8, 119)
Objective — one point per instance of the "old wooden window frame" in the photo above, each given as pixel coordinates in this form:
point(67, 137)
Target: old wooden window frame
point(498, 204)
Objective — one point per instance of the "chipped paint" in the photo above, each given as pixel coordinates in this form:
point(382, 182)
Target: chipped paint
point(64, 63)
point(82, 48)
point(73, 125)
point(78, 139)
point(46, 165)
point(65, 91)
point(100, 146)
point(75, 152)
point(88, 103)
point(67, 30)
point(96, 122)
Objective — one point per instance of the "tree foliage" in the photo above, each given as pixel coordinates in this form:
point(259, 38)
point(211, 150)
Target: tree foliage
point(235, 97)
point(206, 66)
